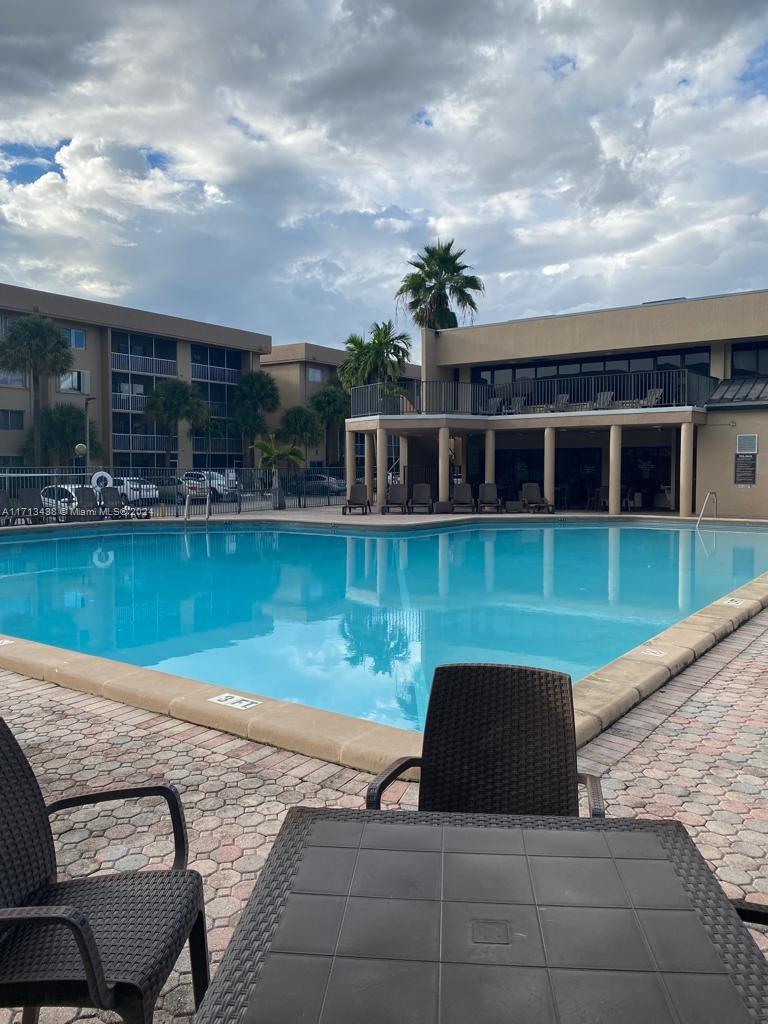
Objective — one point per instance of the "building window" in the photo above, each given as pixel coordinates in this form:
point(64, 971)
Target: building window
point(76, 380)
point(750, 359)
point(11, 380)
point(315, 374)
point(11, 419)
point(75, 336)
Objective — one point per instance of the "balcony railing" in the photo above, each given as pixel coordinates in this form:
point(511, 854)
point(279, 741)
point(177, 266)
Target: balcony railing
point(217, 445)
point(642, 389)
point(220, 409)
point(128, 403)
point(143, 443)
point(143, 364)
point(222, 374)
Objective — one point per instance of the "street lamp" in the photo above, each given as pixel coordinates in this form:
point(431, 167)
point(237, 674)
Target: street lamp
point(88, 400)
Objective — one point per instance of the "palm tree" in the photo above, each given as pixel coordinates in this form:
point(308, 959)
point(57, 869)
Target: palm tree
point(171, 401)
point(35, 346)
point(332, 407)
point(438, 279)
point(301, 425)
point(380, 360)
point(61, 428)
point(255, 394)
point(272, 455)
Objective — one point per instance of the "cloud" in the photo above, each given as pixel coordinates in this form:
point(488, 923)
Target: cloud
point(274, 166)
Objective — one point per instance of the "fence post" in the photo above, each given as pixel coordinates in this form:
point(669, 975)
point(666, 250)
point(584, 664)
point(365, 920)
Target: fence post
point(208, 505)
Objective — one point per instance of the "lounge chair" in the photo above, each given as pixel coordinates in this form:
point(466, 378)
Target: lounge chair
point(498, 739)
point(113, 503)
point(108, 941)
point(514, 406)
point(7, 514)
point(358, 498)
point(513, 506)
point(397, 497)
point(533, 500)
point(88, 506)
point(604, 400)
point(462, 500)
point(31, 508)
point(421, 498)
point(488, 498)
point(652, 398)
point(561, 403)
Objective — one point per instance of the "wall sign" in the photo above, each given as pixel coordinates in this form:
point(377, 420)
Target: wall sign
point(745, 469)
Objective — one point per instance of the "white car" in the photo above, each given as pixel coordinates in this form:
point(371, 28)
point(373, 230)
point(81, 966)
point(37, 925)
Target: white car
point(198, 482)
point(136, 491)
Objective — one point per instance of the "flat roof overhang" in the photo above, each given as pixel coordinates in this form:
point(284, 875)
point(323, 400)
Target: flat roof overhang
point(467, 423)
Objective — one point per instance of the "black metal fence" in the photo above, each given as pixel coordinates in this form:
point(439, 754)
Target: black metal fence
point(176, 493)
point(590, 392)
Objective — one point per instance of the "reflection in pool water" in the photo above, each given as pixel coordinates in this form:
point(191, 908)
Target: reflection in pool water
point(356, 623)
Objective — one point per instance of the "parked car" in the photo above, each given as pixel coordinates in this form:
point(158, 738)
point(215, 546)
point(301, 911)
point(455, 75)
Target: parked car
point(313, 484)
point(58, 500)
point(171, 491)
point(198, 482)
point(136, 491)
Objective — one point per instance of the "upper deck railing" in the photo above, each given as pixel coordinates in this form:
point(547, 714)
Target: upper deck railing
point(641, 389)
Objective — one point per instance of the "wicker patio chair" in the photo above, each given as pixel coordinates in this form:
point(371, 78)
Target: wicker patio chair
point(462, 500)
point(488, 498)
point(106, 941)
point(498, 739)
point(421, 498)
point(397, 497)
point(358, 498)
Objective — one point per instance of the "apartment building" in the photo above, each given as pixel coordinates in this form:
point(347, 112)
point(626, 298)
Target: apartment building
point(641, 408)
point(120, 356)
point(301, 370)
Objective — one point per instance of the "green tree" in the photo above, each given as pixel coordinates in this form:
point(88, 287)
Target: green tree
point(174, 400)
point(61, 428)
point(272, 454)
point(35, 346)
point(255, 394)
point(332, 406)
point(381, 359)
point(302, 426)
point(439, 279)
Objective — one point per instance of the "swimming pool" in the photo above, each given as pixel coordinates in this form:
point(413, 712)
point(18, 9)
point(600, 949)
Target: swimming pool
point(356, 622)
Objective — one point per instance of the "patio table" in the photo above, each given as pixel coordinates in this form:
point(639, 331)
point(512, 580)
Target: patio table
point(385, 916)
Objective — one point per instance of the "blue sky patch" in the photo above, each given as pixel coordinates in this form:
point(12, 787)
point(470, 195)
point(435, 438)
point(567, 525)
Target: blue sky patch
point(245, 128)
point(421, 117)
point(754, 77)
point(29, 162)
point(156, 160)
point(560, 66)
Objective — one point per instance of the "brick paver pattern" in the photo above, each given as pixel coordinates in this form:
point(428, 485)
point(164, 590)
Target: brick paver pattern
point(697, 750)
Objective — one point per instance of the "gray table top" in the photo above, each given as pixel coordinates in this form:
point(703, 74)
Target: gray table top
point(385, 916)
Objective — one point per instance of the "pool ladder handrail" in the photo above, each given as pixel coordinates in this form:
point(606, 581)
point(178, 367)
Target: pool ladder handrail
point(710, 494)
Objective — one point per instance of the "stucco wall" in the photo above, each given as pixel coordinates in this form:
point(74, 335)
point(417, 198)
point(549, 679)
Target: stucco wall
point(716, 448)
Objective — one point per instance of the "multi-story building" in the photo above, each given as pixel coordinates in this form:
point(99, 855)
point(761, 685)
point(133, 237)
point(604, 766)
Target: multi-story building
point(301, 370)
point(120, 356)
point(645, 407)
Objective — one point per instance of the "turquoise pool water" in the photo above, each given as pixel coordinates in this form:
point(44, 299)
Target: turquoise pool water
point(355, 623)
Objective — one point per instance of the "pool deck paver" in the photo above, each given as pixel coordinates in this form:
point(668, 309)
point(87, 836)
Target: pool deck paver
point(696, 750)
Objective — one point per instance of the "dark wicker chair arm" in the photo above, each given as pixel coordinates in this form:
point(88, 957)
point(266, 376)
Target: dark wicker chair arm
point(169, 793)
point(68, 917)
point(387, 777)
point(751, 913)
point(595, 797)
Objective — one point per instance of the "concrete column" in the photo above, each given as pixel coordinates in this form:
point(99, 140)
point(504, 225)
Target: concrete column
point(549, 464)
point(686, 469)
point(490, 456)
point(369, 465)
point(382, 463)
point(673, 476)
point(460, 455)
point(350, 458)
point(444, 464)
point(614, 471)
point(404, 459)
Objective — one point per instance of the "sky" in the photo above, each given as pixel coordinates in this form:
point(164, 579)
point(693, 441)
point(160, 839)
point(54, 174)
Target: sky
point(273, 165)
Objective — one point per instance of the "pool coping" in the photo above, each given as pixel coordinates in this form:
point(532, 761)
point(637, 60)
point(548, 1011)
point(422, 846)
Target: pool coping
point(600, 698)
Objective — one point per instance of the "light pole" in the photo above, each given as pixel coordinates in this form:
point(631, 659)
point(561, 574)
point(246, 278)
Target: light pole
point(88, 400)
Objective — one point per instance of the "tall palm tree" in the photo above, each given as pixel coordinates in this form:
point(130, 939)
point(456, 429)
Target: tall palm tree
point(272, 454)
point(332, 406)
point(35, 346)
point(382, 359)
point(255, 394)
point(439, 279)
point(302, 426)
point(171, 401)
